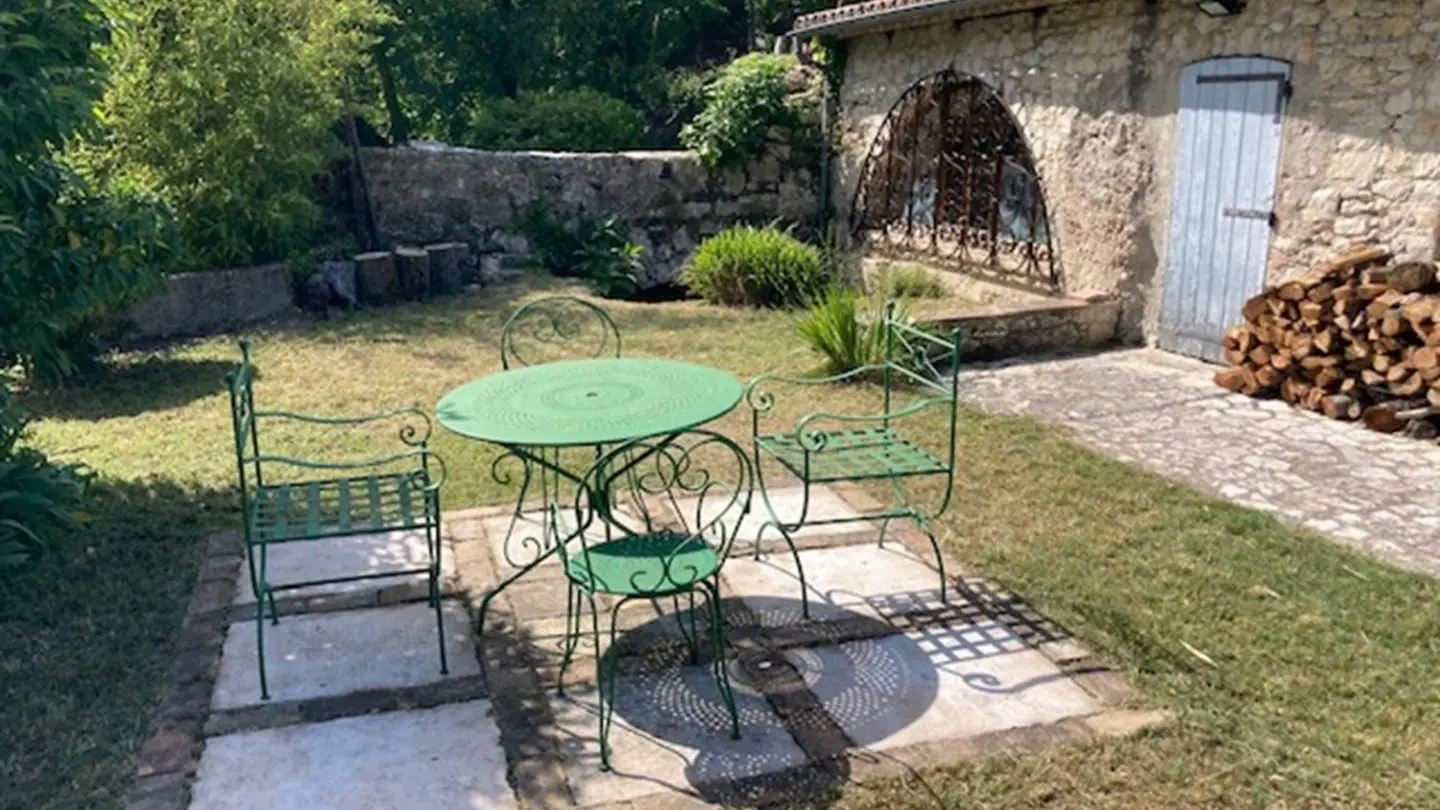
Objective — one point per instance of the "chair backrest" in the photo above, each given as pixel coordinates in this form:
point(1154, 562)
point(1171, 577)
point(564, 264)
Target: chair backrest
point(558, 327)
point(688, 492)
point(914, 355)
point(240, 384)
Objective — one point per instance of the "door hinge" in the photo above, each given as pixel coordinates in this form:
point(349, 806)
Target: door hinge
point(1253, 213)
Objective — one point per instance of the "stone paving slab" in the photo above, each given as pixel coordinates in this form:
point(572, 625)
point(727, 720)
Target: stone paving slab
point(524, 545)
point(446, 758)
point(360, 704)
point(324, 654)
point(671, 734)
point(931, 686)
point(344, 557)
point(865, 580)
point(1370, 491)
point(789, 504)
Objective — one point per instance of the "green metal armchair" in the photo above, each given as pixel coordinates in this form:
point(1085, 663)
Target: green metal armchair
point(557, 327)
point(399, 491)
point(823, 448)
point(686, 496)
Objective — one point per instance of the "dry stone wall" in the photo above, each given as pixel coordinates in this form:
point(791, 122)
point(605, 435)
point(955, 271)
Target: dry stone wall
point(1096, 86)
point(667, 200)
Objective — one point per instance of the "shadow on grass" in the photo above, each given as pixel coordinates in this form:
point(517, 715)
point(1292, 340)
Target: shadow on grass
point(154, 382)
point(87, 635)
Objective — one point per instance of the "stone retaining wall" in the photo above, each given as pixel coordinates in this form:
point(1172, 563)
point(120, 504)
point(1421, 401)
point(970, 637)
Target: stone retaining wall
point(1014, 330)
point(667, 200)
point(215, 301)
point(1095, 86)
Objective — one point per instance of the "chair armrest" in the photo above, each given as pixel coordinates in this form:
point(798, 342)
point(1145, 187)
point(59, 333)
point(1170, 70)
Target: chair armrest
point(409, 434)
point(814, 440)
point(762, 400)
point(434, 476)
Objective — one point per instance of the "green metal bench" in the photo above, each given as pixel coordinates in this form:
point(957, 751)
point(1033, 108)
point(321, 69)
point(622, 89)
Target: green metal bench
point(826, 447)
point(395, 492)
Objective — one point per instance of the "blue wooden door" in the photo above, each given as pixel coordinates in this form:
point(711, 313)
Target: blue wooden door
point(1222, 208)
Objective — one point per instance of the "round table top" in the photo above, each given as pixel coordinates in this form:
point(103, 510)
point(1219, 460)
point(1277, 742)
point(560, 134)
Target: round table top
point(589, 402)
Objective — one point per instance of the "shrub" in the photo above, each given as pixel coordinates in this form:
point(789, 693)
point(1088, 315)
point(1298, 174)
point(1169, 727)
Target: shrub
point(845, 329)
point(68, 255)
point(225, 110)
point(908, 281)
point(583, 120)
point(745, 100)
point(756, 266)
point(36, 497)
point(597, 251)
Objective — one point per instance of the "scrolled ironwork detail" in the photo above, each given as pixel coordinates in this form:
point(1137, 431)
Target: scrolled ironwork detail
point(557, 327)
point(950, 176)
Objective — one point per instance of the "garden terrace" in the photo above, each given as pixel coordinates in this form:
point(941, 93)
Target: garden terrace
point(1294, 671)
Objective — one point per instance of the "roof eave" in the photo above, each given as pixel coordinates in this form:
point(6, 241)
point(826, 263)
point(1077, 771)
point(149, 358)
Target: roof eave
point(912, 14)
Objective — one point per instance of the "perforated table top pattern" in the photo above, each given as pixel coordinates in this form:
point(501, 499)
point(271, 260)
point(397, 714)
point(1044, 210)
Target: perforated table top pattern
point(589, 402)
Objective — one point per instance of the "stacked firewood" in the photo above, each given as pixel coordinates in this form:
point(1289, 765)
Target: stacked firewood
point(1355, 338)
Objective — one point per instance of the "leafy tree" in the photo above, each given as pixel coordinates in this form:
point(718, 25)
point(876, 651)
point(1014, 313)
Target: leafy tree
point(68, 255)
point(572, 120)
point(443, 60)
point(224, 108)
point(747, 98)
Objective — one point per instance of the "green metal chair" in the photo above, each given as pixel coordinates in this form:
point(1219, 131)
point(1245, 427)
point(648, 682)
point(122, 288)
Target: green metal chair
point(824, 448)
point(398, 491)
point(687, 495)
point(557, 327)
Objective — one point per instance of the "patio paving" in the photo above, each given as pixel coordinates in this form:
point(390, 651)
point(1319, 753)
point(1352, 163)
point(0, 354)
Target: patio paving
point(1367, 490)
point(366, 554)
point(363, 718)
point(337, 653)
point(446, 758)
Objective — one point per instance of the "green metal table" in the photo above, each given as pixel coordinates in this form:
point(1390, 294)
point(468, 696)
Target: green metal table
point(535, 412)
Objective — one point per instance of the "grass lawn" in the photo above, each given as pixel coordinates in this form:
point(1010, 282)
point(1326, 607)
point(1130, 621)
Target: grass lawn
point(1325, 693)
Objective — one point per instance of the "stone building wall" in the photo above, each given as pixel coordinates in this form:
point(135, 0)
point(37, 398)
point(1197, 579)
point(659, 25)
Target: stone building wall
point(668, 201)
point(1095, 85)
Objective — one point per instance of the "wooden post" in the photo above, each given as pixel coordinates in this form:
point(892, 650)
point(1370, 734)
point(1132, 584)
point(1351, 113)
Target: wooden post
point(376, 278)
point(447, 266)
point(412, 264)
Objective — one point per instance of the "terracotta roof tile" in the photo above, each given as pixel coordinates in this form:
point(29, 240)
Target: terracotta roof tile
point(879, 10)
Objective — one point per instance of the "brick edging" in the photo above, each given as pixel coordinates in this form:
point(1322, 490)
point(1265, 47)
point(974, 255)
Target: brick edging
point(167, 761)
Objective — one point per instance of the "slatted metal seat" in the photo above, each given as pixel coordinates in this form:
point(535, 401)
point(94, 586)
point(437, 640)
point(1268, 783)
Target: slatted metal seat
point(395, 492)
point(312, 510)
point(827, 447)
point(852, 455)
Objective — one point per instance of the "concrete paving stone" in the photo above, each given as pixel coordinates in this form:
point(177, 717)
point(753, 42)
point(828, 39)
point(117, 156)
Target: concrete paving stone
point(671, 734)
point(934, 685)
point(324, 654)
point(343, 557)
point(446, 758)
point(789, 504)
point(842, 582)
point(525, 544)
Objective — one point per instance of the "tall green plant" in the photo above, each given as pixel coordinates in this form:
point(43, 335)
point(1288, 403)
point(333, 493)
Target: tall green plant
point(746, 99)
point(847, 330)
point(224, 108)
point(68, 255)
point(756, 266)
point(597, 251)
point(36, 497)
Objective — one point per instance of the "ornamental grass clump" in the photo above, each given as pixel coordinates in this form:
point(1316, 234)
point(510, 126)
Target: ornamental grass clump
point(847, 329)
point(753, 266)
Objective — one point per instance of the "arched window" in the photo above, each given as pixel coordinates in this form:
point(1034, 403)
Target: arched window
point(950, 177)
